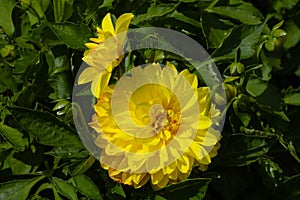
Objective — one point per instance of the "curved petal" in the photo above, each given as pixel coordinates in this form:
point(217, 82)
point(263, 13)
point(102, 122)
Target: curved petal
point(95, 87)
point(87, 75)
point(107, 24)
point(123, 22)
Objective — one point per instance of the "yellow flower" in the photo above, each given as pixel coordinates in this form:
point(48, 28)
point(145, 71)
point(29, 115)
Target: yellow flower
point(103, 56)
point(155, 124)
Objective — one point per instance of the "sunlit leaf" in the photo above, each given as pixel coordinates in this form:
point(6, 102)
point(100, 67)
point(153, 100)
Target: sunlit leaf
point(64, 188)
point(87, 187)
point(17, 189)
point(6, 21)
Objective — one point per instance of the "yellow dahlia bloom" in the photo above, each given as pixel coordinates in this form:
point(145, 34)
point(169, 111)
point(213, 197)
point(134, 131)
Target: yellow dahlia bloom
point(100, 74)
point(155, 125)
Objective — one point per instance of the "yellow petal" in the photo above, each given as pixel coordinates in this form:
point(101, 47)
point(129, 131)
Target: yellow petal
point(204, 122)
point(87, 75)
point(123, 22)
point(169, 169)
point(138, 177)
point(142, 182)
point(107, 24)
point(191, 78)
point(184, 164)
point(195, 150)
point(157, 177)
point(100, 31)
point(163, 182)
point(91, 45)
point(96, 40)
point(95, 87)
point(174, 175)
point(182, 176)
point(126, 178)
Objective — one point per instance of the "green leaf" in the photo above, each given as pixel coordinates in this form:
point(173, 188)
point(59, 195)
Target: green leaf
point(68, 152)
point(242, 37)
point(17, 189)
point(35, 9)
point(18, 167)
point(271, 173)
point(154, 13)
point(192, 189)
point(279, 5)
point(6, 78)
point(245, 13)
point(6, 10)
point(181, 17)
point(292, 29)
point(27, 58)
point(46, 128)
point(292, 99)
point(256, 86)
point(243, 149)
point(118, 189)
point(244, 117)
point(87, 187)
point(60, 77)
point(81, 166)
point(64, 188)
point(71, 34)
point(62, 9)
point(107, 4)
point(215, 30)
point(13, 136)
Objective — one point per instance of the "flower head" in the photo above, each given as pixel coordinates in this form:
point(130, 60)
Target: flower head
point(108, 54)
point(155, 124)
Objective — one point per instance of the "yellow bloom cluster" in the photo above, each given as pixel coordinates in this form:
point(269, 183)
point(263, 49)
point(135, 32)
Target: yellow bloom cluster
point(100, 75)
point(159, 131)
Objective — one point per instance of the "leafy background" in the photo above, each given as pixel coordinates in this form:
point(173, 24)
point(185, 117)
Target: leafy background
point(255, 45)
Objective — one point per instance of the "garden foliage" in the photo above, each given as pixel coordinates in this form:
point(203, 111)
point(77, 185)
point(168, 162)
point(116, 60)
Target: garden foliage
point(255, 45)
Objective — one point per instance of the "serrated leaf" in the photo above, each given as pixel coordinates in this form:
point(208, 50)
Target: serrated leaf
point(87, 187)
point(64, 188)
point(6, 21)
point(71, 34)
point(13, 136)
point(46, 128)
point(17, 189)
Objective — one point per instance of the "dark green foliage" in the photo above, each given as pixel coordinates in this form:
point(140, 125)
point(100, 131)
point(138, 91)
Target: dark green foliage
point(255, 44)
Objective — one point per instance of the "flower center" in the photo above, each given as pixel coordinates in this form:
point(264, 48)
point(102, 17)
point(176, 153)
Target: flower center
point(158, 117)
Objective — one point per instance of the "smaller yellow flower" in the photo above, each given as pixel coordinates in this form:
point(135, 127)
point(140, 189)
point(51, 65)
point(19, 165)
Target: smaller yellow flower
point(100, 53)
